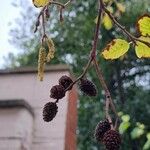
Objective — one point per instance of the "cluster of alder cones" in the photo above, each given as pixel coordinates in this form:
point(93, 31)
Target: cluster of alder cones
point(103, 131)
point(109, 137)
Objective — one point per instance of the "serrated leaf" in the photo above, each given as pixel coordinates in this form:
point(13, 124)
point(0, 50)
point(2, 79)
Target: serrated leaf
point(136, 133)
point(141, 49)
point(107, 22)
point(40, 3)
point(115, 49)
point(144, 25)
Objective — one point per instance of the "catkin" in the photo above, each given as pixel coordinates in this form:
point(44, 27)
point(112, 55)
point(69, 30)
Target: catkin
point(51, 50)
point(41, 63)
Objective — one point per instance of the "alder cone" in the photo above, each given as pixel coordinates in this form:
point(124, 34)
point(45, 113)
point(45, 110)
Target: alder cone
point(49, 111)
point(100, 129)
point(88, 87)
point(112, 140)
point(65, 81)
point(57, 92)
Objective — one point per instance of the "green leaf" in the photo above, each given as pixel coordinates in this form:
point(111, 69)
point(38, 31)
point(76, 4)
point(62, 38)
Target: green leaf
point(140, 125)
point(147, 144)
point(125, 118)
point(123, 127)
point(136, 133)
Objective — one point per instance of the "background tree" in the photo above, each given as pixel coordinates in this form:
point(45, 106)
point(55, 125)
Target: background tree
point(128, 78)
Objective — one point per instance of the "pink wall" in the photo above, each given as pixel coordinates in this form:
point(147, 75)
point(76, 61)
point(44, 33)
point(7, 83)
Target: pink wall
point(37, 134)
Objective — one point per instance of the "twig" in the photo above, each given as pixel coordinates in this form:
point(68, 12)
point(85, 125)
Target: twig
point(67, 3)
point(43, 26)
point(82, 75)
point(99, 72)
point(104, 86)
point(132, 38)
point(93, 51)
point(107, 103)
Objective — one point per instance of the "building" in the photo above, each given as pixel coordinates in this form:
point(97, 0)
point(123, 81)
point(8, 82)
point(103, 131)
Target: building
point(22, 98)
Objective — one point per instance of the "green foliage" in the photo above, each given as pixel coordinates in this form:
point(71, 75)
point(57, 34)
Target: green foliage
point(127, 78)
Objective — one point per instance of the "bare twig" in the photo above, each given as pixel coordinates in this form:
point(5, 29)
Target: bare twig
point(104, 86)
point(107, 104)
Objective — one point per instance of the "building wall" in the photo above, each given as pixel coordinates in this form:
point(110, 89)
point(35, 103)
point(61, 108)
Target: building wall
point(45, 136)
point(16, 128)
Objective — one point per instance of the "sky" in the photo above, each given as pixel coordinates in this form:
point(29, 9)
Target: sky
point(8, 13)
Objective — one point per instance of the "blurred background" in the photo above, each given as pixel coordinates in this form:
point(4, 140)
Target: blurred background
point(128, 78)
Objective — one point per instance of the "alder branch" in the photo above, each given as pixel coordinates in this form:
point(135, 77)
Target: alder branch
point(104, 86)
point(63, 6)
point(131, 37)
point(82, 75)
point(94, 47)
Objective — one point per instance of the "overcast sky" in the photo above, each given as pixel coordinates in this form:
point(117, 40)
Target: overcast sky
point(7, 14)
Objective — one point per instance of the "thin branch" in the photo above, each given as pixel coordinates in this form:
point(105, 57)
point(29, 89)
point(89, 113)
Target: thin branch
point(132, 38)
point(94, 47)
point(43, 26)
point(82, 75)
point(107, 104)
point(56, 3)
point(104, 86)
point(67, 3)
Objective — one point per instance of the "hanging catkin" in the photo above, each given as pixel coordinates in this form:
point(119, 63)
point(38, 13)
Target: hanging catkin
point(51, 49)
point(41, 63)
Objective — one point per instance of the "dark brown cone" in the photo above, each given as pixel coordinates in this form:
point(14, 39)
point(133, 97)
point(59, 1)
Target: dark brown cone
point(65, 81)
point(57, 92)
point(49, 111)
point(112, 140)
point(88, 87)
point(100, 129)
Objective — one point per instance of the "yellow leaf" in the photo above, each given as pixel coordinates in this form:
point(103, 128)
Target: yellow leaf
point(115, 49)
point(144, 25)
point(40, 3)
point(121, 7)
point(107, 22)
point(141, 49)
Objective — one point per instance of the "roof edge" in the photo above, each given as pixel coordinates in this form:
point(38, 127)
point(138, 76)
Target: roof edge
point(20, 70)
